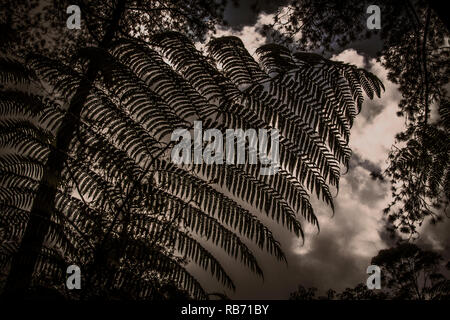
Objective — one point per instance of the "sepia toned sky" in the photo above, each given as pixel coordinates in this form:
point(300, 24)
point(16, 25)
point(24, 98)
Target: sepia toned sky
point(338, 256)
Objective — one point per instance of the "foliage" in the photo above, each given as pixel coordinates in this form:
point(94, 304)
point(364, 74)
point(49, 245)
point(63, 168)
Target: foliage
point(410, 272)
point(121, 209)
point(41, 24)
point(407, 273)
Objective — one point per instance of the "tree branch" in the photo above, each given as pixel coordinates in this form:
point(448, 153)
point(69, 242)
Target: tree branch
point(424, 59)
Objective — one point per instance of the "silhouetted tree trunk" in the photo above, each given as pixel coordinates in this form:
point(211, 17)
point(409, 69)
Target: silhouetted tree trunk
point(25, 259)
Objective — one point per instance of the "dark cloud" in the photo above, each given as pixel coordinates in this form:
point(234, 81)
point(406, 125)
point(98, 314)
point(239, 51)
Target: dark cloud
point(367, 47)
point(330, 264)
point(391, 239)
point(358, 161)
point(241, 13)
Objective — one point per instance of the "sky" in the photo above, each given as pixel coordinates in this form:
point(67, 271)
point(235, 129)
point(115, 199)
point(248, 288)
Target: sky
point(339, 255)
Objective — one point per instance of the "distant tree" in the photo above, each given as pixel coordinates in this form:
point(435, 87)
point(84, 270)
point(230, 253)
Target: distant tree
point(407, 273)
point(303, 293)
point(360, 292)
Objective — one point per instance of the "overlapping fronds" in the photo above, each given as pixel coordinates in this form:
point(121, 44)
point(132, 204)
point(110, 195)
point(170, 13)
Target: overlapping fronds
point(118, 184)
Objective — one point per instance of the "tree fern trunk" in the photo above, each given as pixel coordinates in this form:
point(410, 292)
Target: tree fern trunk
point(24, 261)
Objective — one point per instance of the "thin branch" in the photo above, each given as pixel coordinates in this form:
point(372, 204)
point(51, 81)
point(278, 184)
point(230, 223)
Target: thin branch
point(424, 59)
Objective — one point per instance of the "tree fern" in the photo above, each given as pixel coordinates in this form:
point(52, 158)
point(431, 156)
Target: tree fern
point(122, 211)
